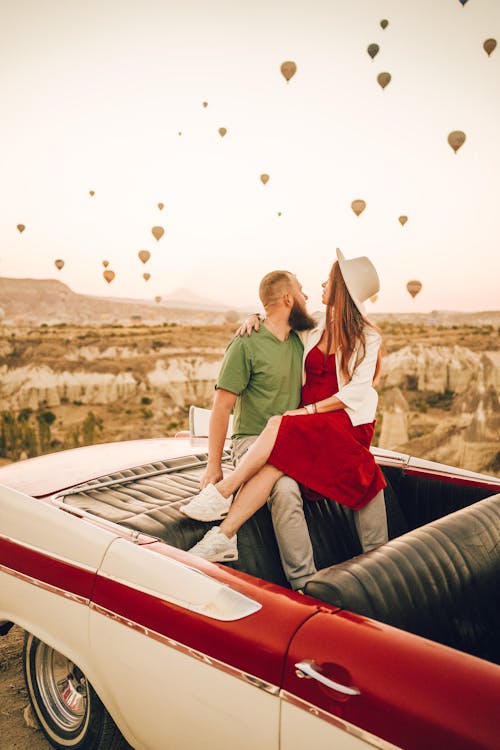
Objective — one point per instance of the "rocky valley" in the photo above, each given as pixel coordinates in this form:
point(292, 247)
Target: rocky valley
point(68, 385)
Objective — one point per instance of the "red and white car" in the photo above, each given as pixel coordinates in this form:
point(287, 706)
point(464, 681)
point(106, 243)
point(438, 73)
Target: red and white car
point(130, 639)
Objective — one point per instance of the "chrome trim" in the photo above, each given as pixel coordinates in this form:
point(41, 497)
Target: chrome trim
point(88, 486)
point(306, 668)
point(57, 499)
point(49, 553)
point(390, 458)
point(208, 608)
point(187, 650)
point(113, 526)
point(336, 721)
point(45, 586)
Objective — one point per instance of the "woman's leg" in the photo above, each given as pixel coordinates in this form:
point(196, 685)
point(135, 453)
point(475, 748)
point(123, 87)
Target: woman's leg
point(254, 459)
point(250, 498)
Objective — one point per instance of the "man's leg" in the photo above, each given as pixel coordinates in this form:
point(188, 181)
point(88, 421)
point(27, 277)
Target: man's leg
point(371, 523)
point(292, 534)
point(287, 512)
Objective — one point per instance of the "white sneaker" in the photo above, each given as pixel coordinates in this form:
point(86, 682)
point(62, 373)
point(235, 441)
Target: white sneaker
point(208, 505)
point(216, 547)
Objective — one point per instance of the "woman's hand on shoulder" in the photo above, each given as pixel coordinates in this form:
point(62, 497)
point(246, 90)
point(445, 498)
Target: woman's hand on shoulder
point(252, 323)
point(295, 412)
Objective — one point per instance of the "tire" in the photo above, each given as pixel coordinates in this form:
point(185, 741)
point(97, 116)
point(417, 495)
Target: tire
point(69, 712)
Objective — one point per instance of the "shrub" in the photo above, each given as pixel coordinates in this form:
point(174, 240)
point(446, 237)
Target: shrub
point(146, 401)
point(438, 400)
point(411, 382)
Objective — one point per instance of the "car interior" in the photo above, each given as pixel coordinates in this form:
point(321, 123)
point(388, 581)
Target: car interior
point(438, 576)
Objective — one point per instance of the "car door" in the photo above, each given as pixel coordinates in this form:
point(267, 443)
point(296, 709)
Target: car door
point(353, 683)
point(183, 659)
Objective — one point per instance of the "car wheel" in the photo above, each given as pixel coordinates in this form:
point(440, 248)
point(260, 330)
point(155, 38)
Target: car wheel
point(69, 712)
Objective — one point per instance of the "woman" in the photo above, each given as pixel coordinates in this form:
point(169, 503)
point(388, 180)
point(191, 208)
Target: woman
point(324, 444)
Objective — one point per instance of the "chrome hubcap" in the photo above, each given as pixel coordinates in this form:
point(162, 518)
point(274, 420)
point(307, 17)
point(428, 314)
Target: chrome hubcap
point(63, 688)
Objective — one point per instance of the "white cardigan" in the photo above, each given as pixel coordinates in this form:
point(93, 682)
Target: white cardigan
point(359, 395)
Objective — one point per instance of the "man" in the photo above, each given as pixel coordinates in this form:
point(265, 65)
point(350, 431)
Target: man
point(260, 376)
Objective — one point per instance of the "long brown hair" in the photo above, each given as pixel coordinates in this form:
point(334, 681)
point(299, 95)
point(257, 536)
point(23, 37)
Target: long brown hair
point(345, 325)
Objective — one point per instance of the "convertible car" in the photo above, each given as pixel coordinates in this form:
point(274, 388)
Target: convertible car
point(132, 641)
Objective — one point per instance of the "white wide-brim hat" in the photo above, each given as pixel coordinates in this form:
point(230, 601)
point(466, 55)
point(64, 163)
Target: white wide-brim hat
point(361, 278)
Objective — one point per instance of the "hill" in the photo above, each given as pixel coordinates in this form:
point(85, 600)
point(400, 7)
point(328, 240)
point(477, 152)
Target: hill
point(33, 302)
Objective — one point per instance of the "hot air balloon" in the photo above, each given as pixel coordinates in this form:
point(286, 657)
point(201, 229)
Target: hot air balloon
point(222, 132)
point(146, 276)
point(372, 50)
point(264, 178)
point(463, 2)
point(21, 228)
point(109, 276)
point(489, 46)
point(158, 299)
point(279, 213)
point(358, 206)
point(179, 133)
point(105, 263)
point(157, 232)
point(91, 192)
point(384, 23)
point(144, 255)
point(414, 287)
point(374, 298)
point(59, 264)
point(402, 220)
point(288, 69)
point(456, 139)
point(205, 104)
point(384, 79)
point(161, 206)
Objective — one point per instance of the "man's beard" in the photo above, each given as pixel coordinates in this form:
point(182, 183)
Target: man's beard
point(299, 319)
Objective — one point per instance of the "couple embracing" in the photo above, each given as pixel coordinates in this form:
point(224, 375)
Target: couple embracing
point(304, 408)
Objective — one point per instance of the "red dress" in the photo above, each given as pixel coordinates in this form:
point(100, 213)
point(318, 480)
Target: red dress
point(325, 452)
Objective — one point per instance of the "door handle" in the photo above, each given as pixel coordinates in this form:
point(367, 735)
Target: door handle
point(308, 668)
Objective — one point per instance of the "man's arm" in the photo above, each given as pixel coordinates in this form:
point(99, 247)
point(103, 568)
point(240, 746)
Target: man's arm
point(219, 420)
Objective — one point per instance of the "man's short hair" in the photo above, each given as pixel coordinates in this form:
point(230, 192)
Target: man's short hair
point(273, 286)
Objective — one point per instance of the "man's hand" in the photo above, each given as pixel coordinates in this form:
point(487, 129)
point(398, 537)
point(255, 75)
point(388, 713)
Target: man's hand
point(249, 325)
point(211, 475)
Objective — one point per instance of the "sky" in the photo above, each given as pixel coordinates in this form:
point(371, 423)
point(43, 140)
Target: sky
point(106, 95)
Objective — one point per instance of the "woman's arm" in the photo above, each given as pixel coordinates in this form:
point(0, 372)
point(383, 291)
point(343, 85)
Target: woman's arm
point(250, 324)
point(354, 392)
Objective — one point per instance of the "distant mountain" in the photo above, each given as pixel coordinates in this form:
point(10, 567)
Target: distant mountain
point(37, 301)
point(441, 318)
point(186, 298)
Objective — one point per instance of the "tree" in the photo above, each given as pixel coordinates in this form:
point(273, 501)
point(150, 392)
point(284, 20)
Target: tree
point(90, 424)
point(45, 419)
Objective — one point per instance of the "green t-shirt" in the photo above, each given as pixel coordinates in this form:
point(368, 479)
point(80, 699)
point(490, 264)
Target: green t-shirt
point(266, 375)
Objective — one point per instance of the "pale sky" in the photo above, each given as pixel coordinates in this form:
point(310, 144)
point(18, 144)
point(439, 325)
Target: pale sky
point(95, 92)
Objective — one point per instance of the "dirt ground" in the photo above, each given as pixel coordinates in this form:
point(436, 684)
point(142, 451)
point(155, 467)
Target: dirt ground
point(15, 734)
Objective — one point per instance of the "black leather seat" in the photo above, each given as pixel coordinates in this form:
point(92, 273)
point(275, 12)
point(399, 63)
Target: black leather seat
point(440, 581)
point(148, 497)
